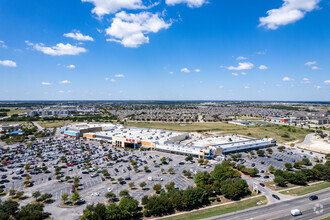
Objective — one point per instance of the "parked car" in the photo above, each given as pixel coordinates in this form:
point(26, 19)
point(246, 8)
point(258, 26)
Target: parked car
point(276, 197)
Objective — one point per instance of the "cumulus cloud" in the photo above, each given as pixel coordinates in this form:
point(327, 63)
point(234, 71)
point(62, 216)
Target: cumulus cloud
point(197, 70)
point(185, 70)
point(327, 81)
point(78, 36)
point(171, 72)
point(190, 3)
point(246, 87)
point(65, 82)
point(104, 7)
point(287, 79)
point(315, 68)
point(221, 87)
point(112, 80)
point(318, 87)
point(310, 63)
point(119, 75)
point(241, 58)
point(70, 66)
point(8, 63)
point(241, 66)
point(130, 30)
point(58, 50)
point(243, 73)
point(61, 91)
point(45, 83)
point(290, 12)
point(235, 74)
point(106, 78)
point(263, 67)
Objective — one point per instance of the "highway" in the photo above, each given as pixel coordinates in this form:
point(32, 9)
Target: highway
point(317, 209)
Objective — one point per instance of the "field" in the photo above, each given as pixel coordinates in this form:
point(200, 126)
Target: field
point(220, 210)
point(283, 134)
point(52, 124)
point(307, 189)
point(14, 111)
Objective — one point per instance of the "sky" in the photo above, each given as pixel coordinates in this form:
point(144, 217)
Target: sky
point(165, 50)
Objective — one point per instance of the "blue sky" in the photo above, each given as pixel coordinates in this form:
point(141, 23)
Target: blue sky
point(165, 50)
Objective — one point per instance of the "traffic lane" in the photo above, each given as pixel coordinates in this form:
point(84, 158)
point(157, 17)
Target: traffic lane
point(310, 214)
point(279, 209)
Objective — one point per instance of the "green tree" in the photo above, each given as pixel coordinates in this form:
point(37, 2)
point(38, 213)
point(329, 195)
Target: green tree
point(131, 185)
point(288, 166)
point(269, 150)
point(234, 188)
point(36, 194)
point(260, 153)
point(111, 196)
point(163, 159)
point(65, 197)
point(157, 187)
point(143, 184)
point(280, 181)
point(129, 208)
point(124, 193)
point(280, 148)
point(271, 168)
point(189, 158)
point(75, 196)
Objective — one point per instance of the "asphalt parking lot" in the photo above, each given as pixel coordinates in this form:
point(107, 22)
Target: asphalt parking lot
point(50, 158)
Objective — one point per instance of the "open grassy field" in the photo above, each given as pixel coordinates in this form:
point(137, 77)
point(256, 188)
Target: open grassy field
point(52, 124)
point(14, 111)
point(281, 133)
point(220, 210)
point(306, 189)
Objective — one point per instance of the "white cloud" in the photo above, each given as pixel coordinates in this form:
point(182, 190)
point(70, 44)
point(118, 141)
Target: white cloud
point(287, 79)
point(61, 91)
point(235, 74)
point(197, 70)
point(318, 87)
point(241, 66)
point(119, 75)
point(8, 63)
point(315, 68)
point(45, 83)
point(306, 81)
point(112, 80)
point(78, 36)
point(246, 87)
point(58, 50)
point(263, 67)
point(185, 70)
point(327, 81)
point(70, 66)
point(241, 58)
point(106, 78)
point(2, 44)
point(130, 30)
point(171, 72)
point(65, 82)
point(243, 73)
point(103, 7)
point(290, 12)
point(310, 63)
point(221, 87)
point(190, 3)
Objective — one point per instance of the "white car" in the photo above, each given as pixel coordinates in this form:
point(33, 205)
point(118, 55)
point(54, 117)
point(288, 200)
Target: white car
point(109, 189)
point(95, 194)
point(295, 212)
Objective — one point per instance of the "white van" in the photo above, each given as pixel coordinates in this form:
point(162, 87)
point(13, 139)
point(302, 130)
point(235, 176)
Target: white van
point(150, 178)
point(295, 212)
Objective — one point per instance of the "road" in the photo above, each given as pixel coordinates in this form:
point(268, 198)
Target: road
point(307, 140)
point(317, 209)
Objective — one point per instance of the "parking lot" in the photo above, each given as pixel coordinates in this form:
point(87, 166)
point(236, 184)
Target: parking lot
point(47, 153)
point(276, 159)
